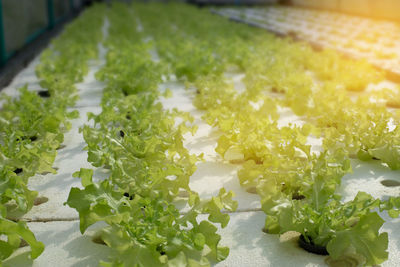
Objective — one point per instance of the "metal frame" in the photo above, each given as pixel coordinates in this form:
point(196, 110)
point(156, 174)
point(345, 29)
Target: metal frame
point(50, 14)
point(3, 51)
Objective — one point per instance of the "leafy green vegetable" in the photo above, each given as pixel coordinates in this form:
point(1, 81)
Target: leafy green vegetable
point(142, 145)
point(32, 125)
point(297, 188)
point(15, 231)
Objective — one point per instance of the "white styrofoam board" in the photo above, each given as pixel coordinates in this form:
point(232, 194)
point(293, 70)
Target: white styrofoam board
point(56, 186)
point(249, 246)
point(367, 177)
point(72, 157)
point(215, 173)
point(210, 176)
point(249, 249)
point(90, 90)
point(64, 246)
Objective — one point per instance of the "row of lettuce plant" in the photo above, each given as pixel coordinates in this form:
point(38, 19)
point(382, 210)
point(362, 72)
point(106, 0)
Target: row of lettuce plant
point(141, 145)
point(32, 126)
point(149, 168)
point(299, 189)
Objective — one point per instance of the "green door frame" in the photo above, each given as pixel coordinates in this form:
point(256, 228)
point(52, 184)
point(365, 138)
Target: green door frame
point(3, 51)
point(50, 14)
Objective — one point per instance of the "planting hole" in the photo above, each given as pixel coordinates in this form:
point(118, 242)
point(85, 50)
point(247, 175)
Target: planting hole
point(311, 247)
point(54, 168)
point(18, 170)
point(131, 197)
point(297, 196)
point(44, 93)
point(390, 183)
point(60, 147)
point(251, 190)
point(98, 240)
point(23, 243)
point(183, 194)
point(40, 200)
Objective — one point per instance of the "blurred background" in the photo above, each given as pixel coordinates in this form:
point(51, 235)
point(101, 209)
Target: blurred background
point(380, 9)
point(24, 22)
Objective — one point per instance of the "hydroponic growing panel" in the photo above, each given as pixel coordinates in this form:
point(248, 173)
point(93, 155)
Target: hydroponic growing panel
point(199, 142)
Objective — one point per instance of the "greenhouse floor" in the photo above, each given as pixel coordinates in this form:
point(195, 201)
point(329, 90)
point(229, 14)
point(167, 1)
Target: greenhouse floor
point(57, 225)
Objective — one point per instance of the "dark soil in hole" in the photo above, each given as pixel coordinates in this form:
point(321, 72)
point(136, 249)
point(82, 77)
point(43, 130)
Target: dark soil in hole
point(332, 125)
point(297, 196)
point(60, 147)
point(44, 93)
point(18, 170)
point(278, 91)
point(32, 138)
point(23, 243)
point(122, 134)
point(126, 194)
point(160, 249)
point(98, 240)
point(258, 161)
point(311, 247)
